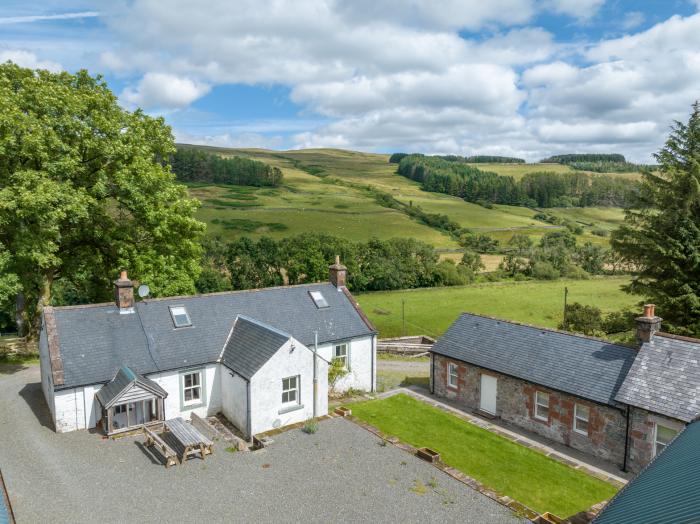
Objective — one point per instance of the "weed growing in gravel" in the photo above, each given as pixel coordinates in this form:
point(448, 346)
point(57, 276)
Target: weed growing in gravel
point(418, 487)
point(310, 427)
point(433, 483)
point(231, 449)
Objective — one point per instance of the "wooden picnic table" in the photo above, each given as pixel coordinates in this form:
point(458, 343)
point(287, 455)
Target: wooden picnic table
point(191, 440)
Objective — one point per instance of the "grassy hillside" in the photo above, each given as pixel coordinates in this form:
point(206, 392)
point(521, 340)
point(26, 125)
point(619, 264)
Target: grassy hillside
point(312, 200)
point(431, 311)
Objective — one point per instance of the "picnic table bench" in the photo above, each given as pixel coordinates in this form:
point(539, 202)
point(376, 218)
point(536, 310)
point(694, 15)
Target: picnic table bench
point(191, 440)
point(154, 440)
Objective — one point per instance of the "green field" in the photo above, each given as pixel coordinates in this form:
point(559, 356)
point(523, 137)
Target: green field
point(523, 474)
point(310, 200)
point(431, 311)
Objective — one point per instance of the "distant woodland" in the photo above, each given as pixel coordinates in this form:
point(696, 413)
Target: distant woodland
point(537, 189)
point(195, 165)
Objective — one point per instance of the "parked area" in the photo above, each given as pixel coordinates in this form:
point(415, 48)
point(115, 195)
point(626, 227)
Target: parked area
point(339, 474)
point(527, 476)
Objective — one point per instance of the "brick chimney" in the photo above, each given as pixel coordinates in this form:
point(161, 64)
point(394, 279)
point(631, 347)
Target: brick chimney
point(124, 293)
point(647, 325)
point(338, 273)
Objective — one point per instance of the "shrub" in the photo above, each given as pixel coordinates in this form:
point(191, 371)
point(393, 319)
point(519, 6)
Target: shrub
point(583, 319)
point(310, 427)
point(544, 271)
point(600, 232)
point(336, 371)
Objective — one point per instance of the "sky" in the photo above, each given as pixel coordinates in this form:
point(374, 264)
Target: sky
point(519, 78)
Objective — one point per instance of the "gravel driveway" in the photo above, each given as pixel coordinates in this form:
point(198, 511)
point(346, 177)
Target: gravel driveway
point(339, 474)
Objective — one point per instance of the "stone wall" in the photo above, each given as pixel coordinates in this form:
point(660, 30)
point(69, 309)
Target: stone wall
point(515, 404)
point(642, 436)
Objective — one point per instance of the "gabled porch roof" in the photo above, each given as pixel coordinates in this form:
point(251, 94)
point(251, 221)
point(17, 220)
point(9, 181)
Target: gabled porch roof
point(123, 381)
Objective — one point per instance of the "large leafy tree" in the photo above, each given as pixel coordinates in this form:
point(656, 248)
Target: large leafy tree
point(661, 234)
point(83, 194)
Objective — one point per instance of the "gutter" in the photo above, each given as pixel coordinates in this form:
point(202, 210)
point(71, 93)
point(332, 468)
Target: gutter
point(248, 422)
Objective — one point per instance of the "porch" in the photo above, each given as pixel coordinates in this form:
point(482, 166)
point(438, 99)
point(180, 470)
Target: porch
point(131, 401)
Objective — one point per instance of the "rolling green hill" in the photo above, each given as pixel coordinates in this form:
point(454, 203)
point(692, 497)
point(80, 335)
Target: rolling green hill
point(324, 191)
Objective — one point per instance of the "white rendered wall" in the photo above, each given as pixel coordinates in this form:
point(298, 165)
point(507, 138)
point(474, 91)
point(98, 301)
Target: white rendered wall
point(266, 388)
point(362, 364)
point(234, 398)
point(76, 408)
point(170, 382)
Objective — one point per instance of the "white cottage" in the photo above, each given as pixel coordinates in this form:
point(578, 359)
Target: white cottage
point(252, 355)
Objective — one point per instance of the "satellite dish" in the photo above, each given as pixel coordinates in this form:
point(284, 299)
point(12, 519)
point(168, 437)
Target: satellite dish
point(144, 290)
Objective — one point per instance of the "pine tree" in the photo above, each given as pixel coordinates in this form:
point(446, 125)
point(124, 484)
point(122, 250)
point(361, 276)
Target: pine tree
point(661, 233)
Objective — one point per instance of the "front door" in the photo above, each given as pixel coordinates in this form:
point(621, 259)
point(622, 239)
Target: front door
point(489, 388)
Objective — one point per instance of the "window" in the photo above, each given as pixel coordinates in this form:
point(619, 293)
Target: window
point(452, 375)
point(542, 405)
point(319, 299)
point(192, 387)
point(581, 419)
point(340, 352)
point(290, 390)
point(663, 436)
point(119, 408)
point(180, 316)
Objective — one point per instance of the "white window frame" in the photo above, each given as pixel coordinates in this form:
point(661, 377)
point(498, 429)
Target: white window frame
point(345, 357)
point(585, 419)
point(194, 387)
point(538, 404)
point(295, 389)
point(450, 375)
point(656, 438)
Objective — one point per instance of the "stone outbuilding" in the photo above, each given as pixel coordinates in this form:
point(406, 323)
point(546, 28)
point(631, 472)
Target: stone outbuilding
point(617, 403)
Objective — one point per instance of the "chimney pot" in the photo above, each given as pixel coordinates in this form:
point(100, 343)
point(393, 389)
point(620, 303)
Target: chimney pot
point(647, 325)
point(122, 275)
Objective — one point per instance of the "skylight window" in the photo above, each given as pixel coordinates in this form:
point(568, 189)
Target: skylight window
point(180, 316)
point(319, 299)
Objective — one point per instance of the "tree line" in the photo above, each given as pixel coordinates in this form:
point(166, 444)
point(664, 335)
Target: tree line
point(538, 189)
point(475, 159)
point(194, 165)
point(598, 163)
point(375, 265)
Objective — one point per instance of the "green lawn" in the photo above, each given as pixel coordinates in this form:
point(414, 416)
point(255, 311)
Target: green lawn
point(431, 311)
point(525, 475)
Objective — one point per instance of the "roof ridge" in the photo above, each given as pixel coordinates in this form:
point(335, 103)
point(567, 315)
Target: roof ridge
point(682, 338)
point(551, 330)
point(196, 295)
point(261, 324)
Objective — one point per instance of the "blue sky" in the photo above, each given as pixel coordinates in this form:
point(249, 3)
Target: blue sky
point(514, 77)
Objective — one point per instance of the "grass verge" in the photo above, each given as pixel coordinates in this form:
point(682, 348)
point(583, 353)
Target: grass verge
point(525, 475)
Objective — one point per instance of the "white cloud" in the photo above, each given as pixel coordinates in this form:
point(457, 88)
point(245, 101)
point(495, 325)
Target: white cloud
point(28, 59)
point(163, 91)
point(633, 19)
point(4, 20)
point(581, 9)
point(385, 75)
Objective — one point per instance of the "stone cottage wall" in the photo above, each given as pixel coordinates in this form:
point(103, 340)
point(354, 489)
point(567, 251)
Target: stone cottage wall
point(515, 404)
point(642, 433)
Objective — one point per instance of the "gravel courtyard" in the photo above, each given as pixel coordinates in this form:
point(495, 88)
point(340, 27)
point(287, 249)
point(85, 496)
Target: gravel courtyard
point(339, 474)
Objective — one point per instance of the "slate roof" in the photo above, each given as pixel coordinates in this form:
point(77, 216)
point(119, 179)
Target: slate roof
point(665, 378)
point(250, 345)
point(666, 491)
point(124, 379)
point(95, 341)
point(582, 366)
